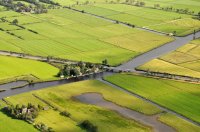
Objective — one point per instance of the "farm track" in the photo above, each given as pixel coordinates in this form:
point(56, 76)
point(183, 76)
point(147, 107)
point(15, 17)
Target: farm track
point(132, 64)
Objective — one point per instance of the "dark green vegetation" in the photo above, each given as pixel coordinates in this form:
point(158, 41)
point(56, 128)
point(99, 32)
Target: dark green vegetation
point(180, 97)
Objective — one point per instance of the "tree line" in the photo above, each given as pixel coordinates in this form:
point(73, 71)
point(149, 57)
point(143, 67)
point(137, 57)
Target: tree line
point(35, 6)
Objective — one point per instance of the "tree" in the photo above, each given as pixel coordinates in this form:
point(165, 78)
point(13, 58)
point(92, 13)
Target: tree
point(156, 5)
point(199, 15)
point(15, 22)
point(142, 4)
point(174, 33)
point(105, 62)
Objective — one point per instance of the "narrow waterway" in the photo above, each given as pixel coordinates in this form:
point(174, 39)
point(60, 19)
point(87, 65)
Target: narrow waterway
point(41, 85)
point(157, 52)
point(97, 99)
point(10, 85)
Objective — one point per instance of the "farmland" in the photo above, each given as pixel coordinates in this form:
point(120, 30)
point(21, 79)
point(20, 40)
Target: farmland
point(74, 36)
point(11, 67)
point(145, 17)
point(192, 5)
point(61, 98)
point(183, 61)
point(179, 124)
point(67, 65)
point(167, 93)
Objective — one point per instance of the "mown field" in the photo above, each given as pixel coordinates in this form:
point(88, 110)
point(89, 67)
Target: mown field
point(184, 61)
point(180, 97)
point(74, 36)
point(145, 17)
point(106, 120)
point(11, 67)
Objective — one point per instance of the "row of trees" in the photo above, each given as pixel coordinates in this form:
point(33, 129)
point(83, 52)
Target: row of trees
point(21, 7)
point(135, 2)
point(157, 6)
point(34, 7)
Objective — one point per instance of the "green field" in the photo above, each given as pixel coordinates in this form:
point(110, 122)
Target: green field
point(193, 5)
point(61, 97)
point(11, 67)
point(179, 124)
point(75, 36)
point(8, 124)
point(180, 97)
point(145, 17)
point(184, 61)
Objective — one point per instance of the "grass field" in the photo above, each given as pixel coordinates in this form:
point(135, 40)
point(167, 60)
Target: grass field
point(179, 124)
point(10, 67)
point(145, 17)
point(61, 97)
point(192, 5)
point(75, 36)
point(177, 96)
point(184, 61)
point(14, 125)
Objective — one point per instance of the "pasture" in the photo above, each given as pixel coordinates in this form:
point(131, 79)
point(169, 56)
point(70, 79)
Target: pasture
point(184, 61)
point(155, 19)
point(106, 120)
point(75, 36)
point(11, 67)
point(180, 97)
